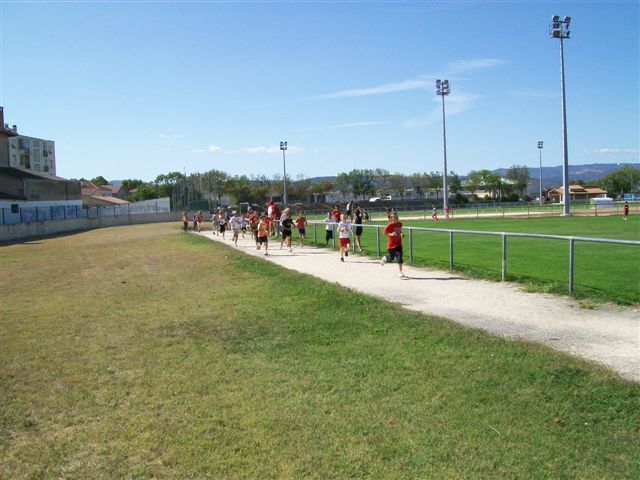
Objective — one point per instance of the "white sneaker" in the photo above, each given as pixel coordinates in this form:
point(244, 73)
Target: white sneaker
point(403, 276)
point(383, 261)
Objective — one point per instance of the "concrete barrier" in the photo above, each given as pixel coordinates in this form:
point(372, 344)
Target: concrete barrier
point(27, 230)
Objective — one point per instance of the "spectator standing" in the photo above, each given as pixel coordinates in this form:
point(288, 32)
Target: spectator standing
point(358, 232)
point(625, 210)
point(328, 226)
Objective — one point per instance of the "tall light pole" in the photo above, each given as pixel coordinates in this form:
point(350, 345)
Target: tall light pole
point(560, 29)
point(540, 146)
point(283, 147)
point(442, 89)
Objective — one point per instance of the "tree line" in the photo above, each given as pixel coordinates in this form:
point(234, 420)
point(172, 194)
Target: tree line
point(213, 185)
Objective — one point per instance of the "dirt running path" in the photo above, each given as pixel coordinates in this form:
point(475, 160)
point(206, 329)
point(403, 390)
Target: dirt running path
point(609, 335)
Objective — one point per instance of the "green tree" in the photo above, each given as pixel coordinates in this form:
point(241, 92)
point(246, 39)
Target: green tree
point(381, 178)
point(145, 191)
point(343, 184)
point(362, 183)
point(300, 188)
point(215, 183)
point(455, 185)
point(99, 180)
point(422, 181)
point(436, 182)
point(398, 184)
point(519, 174)
point(621, 181)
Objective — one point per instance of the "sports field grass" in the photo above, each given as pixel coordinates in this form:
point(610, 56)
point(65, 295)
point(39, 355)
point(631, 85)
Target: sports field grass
point(602, 272)
point(144, 352)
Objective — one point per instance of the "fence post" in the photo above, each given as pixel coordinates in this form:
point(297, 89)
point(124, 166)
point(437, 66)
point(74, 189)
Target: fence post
point(378, 239)
point(315, 235)
point(504, 257)
point(451, 251)
point(571, 246)
point(596, 205)
point(410, 245)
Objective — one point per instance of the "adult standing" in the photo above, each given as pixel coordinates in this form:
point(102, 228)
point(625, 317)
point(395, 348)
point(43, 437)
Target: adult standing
point(358, 232)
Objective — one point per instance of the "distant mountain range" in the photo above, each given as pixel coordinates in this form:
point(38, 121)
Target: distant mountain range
point(551, 176)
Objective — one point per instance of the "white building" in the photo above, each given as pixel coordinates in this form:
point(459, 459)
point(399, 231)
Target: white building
point(33, 154)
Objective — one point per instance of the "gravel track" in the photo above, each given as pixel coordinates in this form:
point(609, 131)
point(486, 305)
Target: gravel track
point(608, 334)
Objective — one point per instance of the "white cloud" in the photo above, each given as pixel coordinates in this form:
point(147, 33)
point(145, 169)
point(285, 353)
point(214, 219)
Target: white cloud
point(214, 148)
point(197, 150)
point(475, 64)
point(343, 125)
point(455, 104)
point(422, 81)
point(612, 151)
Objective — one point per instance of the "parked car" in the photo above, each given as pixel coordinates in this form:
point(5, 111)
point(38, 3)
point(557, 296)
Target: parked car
point(374, 199)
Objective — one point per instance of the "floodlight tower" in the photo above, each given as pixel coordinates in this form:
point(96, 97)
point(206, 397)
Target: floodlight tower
point(443, 89)
point(540, 146)
point(560, 29)
point(283, 147)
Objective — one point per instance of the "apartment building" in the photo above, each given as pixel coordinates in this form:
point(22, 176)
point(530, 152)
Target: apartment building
point(35, 154)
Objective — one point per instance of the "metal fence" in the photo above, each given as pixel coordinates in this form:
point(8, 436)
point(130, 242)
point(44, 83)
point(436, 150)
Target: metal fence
point(495, 209)
point(503, 235)
point(11, 216)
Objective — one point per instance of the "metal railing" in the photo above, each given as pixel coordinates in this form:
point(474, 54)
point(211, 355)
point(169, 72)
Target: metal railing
point(502, 235)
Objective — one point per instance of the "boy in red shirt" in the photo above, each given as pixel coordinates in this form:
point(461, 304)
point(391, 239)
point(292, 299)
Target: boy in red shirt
point(336, 213)
point(394, 234)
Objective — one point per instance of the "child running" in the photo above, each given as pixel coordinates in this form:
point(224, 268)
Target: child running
point(236, 225)
point(301, 223)
point(393, 231)
point(344, 232)
point(185, 221)
point(286, 222)
point(222, 224)
point(263, 234)
point(434, 215)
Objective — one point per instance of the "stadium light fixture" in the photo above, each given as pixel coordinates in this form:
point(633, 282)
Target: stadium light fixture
point(540, 146)
point(560, 29)
point(283, 147)
point(443, 89)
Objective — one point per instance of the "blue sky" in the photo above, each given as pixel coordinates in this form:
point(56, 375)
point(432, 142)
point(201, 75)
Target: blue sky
point(135, 89)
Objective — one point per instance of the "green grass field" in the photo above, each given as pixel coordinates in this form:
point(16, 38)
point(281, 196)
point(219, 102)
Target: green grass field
point(143, 352)
point(602, 272)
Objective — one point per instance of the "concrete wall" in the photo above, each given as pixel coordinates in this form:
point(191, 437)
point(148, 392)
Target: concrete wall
point(23, 231)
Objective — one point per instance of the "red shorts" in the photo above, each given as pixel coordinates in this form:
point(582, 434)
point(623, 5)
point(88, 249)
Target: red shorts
point(344, 242)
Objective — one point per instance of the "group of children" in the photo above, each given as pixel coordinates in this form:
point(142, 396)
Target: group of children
point(262, 225)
